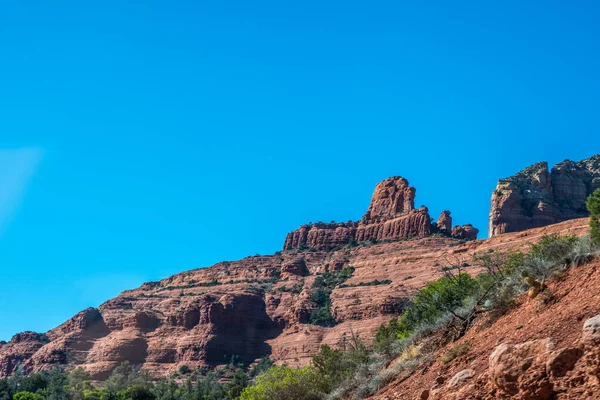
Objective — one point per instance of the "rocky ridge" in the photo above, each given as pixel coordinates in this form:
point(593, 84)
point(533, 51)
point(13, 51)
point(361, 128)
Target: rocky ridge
point(261, 305)
point(536, 351)
point(256, 306)
point(391, 216)
point(538, 197)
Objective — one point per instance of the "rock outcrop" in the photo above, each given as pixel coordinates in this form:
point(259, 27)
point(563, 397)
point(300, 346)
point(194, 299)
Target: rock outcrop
point(536, 351)
point(391, 216)
point(465, 232)
point(250, 308)
point(537, 197)
point(444, 222)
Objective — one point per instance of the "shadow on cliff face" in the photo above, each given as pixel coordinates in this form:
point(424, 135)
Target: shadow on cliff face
point(241, 328)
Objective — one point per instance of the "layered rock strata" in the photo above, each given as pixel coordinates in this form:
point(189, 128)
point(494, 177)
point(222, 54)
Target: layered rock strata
point(391, 216)
point(538, 197)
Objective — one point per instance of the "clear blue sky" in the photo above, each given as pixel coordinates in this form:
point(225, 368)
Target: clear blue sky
point(141, 140)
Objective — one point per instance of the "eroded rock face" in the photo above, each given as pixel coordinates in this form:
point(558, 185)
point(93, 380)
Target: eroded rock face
point(444, 222)
point(251, 308)
point(537, 197)
point(465, 232)
point(321, 236)
point(392, 197)
point(391, 216)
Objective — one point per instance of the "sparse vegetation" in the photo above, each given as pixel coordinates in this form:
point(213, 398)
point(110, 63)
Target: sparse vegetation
point(455, 352)
point(451, 304)
point(321, 292)
point(376, 282)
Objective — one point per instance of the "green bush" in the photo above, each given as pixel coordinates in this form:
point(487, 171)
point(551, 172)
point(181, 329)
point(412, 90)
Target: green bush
point(321, 295)
point(386, 335)
point(436, 299)
point(285, 383)
point(593, 206)
point(27, 396)
point(184, 370)
point(333, 366)
point(136, 392)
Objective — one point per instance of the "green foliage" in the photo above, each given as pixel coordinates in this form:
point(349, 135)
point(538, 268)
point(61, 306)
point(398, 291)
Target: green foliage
point(322, 316)
point(435, 299)
point(27, 396)
point(136, 392)
point(261, 366)
point(386, 335)
point(593, 206)
point(376, 282)
point(58, 386)
point(321, 292)
point(553, 248)
point(285, 383)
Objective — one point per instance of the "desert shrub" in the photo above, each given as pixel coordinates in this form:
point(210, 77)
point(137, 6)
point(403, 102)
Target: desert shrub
point(333, 366)
point(322, 316)
point(322, 288)
point(437, 298)
point(184, 369)
point(593, 206)
point(33, 383)
point(285, 383)
point(27, 396)
point(583, 251)
point(552, 249)
point(454, 352)
point(386, 335)
point(136, 392)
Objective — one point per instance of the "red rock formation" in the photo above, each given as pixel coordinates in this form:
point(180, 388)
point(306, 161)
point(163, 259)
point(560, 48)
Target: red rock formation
point(414, 224)
point(392, 197)
point(391, 216)
point(466, 232)
point(252, 307)
point(444, 222)
point(321, 236)
point(536, 197)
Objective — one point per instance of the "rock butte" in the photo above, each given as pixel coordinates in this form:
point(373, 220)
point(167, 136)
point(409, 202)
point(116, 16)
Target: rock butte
point(204, 316)
point(390, 216)
point(536, 197)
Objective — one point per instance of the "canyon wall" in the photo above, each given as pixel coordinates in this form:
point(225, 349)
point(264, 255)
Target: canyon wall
point(538, 197)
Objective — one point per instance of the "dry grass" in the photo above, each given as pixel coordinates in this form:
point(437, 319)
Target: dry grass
point(456, 351)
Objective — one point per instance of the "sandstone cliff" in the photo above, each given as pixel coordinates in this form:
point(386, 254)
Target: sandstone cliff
point(537, 197)
point(391, 216)
point(249, 308)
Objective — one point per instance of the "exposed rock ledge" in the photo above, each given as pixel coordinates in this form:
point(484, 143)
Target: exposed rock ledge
point(390, 216)
point(536, 197)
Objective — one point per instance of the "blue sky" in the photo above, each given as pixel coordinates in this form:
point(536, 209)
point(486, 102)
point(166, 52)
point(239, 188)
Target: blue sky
point(141, 140)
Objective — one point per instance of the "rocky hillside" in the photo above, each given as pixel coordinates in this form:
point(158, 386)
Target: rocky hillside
point(259, 305)
point(540, 350)
point(266, 305)
point(537, 197)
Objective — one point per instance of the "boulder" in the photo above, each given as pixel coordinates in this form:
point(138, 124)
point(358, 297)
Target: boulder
point(520, 370)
